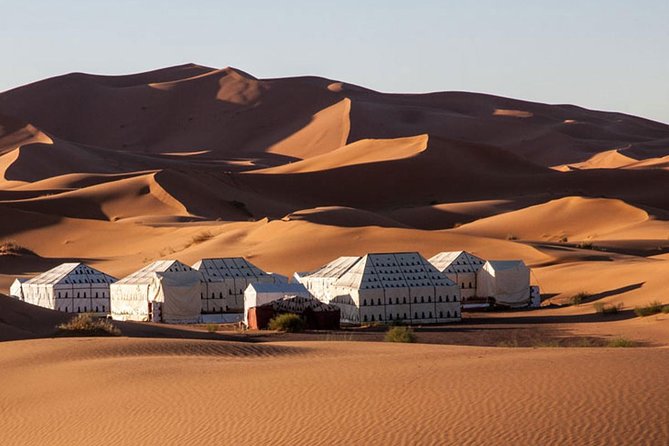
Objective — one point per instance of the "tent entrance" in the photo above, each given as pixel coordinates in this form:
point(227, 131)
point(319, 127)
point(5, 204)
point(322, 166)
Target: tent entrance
point(155, 311)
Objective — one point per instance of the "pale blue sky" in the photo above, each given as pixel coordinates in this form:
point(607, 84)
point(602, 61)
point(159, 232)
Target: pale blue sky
point(610, 55)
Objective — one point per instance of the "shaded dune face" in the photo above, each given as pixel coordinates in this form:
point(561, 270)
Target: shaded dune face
point(292, 172)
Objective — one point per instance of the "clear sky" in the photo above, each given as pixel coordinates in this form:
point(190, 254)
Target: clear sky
point(606, 54)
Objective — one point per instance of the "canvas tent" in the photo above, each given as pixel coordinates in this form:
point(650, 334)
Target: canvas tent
point(461, 267)
point(16, 289)
point(257, 294)
point(316, 314)
point(70, 287)
point(224, 282)
point(506, 281)
point(164, 291)
point(386, 288)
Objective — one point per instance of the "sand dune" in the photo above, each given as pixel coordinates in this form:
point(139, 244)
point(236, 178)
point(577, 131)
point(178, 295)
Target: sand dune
point(571, 218)
point(192, 162)
point(434, 395)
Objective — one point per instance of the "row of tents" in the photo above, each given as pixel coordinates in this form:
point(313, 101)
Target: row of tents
point(384, 287)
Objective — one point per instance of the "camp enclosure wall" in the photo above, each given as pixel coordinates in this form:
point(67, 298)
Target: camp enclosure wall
point(224, 282)
point(258, 294)
point(70, 287)
point(164, 291)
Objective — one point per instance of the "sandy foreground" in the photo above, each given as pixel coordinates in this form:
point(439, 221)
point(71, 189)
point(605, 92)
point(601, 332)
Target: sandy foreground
point(151, 391)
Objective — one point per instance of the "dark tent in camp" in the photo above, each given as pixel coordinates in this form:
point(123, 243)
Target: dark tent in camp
point(316, 314)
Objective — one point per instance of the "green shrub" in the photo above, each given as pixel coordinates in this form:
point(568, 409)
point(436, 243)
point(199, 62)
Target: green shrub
point(86, 325)
point(648, 310)
point(400, 334)
point(212, 328)
point(602, 308)
point(585, 245)
point(288, 322)
point(621, 342)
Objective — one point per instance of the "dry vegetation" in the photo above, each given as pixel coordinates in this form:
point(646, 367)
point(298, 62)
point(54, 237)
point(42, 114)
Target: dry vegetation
point(86, 325)
point(11, 248)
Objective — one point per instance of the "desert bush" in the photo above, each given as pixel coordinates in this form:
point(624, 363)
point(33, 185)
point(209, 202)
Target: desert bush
point(621, 342)
point(212, 328)
point(202, 237)
point(288, 322)
point(85, 324)
point(585, 245)
point(665, 309)
point(400, 334)
point(11, 248)
point(578, 298)
point(603, 308)
point(648, 310)
point(563, 239)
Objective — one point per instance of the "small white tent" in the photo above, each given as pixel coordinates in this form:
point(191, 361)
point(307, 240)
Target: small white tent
point(507, 281)
point(224, 282)
point(164, 291)
point(70, 287)
point(16, 289)
point(257, 294)
point(461, 267)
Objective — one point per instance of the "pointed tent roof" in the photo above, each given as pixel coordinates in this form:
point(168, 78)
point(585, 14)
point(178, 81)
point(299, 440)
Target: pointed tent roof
point(281, 287)
point(454, 262)
point(219, 269)
point(392, 270)
point(499, 265)
point(334, 269)
point(71, 273)
point(146, 274)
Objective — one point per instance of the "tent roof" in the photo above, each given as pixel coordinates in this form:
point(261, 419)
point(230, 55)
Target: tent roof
point(392, 270)
point(457, 262)
point(146, 274)
point(281, 287)
point(70, 273)
point(334, 269)
point(506, 264)
point(219, 269)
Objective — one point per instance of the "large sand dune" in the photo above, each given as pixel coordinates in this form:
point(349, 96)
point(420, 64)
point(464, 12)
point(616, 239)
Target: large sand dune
point(192, 162)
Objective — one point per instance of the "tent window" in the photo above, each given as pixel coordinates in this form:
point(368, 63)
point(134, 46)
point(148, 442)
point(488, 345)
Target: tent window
point(380, 317)
point(96, 295)
point(405, 315)
point(415, 315)
point(84, 294)
point(429, 299)
point(213, 295)
point(66, 297)
point(372, 318)
point(364, 318)
point(103, 308)
point(441, 314)
point(422, 299)
point(404, 300)
point(78, 309)
point(430, 315)
point(414, 299)
point(96, 309)
point(66, 309)
point(77, 295)
point(59, 295)
point(220, 295)
point(364, 302)
point(448, 314)
point(422, 315)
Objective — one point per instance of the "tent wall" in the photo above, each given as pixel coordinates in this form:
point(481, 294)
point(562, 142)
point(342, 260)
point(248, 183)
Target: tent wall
point(16, 290)
point(508, 285)
point(179, 294)
point(129, 301)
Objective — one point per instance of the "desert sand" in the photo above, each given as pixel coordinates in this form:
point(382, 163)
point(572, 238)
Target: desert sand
point(189, 162)
point(123, 391)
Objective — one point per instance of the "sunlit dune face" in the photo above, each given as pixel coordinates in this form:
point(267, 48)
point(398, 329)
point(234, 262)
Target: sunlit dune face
point(336, 87)
point(195, 153)
point(570, 121)
point(512, 113)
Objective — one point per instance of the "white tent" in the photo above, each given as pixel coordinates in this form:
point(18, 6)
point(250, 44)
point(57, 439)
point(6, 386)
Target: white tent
point(16, 289)
point(257, 294)
point(461, 267)
point(224, 282)
point(507, 281)
point(386, 288)
point(164, 291)
point(70, 287)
